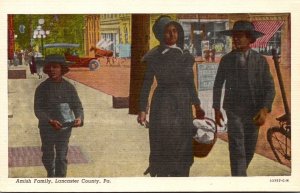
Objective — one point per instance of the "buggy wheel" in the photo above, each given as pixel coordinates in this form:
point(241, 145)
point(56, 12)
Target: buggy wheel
point(280, 142)
point(94, 64)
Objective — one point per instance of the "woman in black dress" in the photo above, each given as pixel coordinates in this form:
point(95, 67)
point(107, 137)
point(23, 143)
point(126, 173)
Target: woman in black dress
point(170, 122)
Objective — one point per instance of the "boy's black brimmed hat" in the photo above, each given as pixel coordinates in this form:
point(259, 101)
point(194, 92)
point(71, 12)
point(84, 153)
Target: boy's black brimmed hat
point(56, 59)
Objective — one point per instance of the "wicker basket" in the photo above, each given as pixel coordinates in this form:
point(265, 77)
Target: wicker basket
point(203, 149)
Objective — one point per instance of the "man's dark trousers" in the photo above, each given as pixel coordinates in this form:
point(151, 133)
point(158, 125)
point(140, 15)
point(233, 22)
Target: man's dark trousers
point(242, 137)
point(55, 149)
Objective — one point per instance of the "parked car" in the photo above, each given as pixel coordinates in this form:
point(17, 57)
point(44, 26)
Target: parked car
point(79, 62)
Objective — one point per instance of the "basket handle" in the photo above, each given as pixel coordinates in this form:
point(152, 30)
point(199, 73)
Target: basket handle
point(215, 124)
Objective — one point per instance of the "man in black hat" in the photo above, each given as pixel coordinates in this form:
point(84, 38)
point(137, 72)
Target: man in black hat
point(249, 94)
point(58, 109)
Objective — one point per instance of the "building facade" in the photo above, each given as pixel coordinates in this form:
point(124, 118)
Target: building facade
point(92, 33)
point(116, 29)
point(201, 34)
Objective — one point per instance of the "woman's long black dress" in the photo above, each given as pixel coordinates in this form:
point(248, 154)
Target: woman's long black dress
point(170, 123)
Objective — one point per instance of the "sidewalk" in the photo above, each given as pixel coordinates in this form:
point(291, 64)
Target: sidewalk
point(112, 141)
point(115, 81)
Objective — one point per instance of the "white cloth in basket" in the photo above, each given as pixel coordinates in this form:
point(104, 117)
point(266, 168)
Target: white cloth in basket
point(205, 131)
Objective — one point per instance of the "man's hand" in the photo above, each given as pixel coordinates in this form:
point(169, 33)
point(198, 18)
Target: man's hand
point(141, 119)
point(260, 118)
point(218, 117)
point(200, 113)
point(77, 122)
point(55, 124)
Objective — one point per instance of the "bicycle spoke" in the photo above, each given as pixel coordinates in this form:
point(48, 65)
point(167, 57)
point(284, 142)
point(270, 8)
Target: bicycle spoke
point(281, 145)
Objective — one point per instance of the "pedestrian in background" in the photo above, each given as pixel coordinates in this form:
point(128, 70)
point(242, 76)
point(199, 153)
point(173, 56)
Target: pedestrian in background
point(21, 57)
point(170, 125)
point(39, 63)
point(58, 109)
point(249, 94)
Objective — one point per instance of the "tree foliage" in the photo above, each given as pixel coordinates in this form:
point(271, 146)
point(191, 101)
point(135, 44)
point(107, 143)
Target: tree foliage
point(64, 28)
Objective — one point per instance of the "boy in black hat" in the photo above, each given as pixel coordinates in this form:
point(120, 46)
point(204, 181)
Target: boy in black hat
point(58, 108)
point(249, 94)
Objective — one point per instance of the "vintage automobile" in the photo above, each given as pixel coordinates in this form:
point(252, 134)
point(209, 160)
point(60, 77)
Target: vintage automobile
point(86, 62)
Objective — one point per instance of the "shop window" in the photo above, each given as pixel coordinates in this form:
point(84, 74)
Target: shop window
point(215, 40)
point(273, 43)
point(202, 37)
point(272, 38)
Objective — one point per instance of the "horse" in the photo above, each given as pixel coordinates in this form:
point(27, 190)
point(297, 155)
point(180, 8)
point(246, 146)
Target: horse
point(102, 53)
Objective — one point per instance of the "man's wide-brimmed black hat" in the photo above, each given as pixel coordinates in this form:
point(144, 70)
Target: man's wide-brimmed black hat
point(246, 26)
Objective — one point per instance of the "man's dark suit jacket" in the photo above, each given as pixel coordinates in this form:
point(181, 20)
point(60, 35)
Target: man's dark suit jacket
point(261, 82)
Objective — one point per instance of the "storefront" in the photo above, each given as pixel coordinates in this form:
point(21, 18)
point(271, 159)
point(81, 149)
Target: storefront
point(202, 35)
point(116, 31)
point(202, 32)
point(202, 38)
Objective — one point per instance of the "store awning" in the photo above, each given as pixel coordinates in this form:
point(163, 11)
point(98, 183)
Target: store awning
point(269, 28)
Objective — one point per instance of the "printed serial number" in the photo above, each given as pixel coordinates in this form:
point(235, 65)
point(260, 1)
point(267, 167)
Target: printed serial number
point(279, 180)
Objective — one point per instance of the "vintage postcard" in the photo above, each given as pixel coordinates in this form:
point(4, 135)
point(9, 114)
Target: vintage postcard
point(102, 96)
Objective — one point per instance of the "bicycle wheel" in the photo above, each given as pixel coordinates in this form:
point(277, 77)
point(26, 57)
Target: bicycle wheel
point(280, 142)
